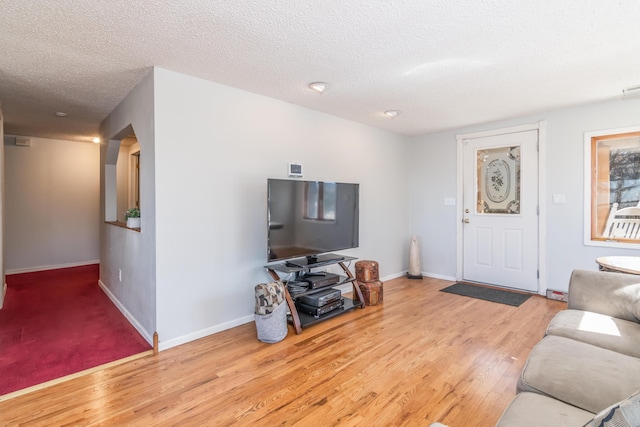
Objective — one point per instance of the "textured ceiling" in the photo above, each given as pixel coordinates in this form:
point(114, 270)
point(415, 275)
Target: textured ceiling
point(443, 63)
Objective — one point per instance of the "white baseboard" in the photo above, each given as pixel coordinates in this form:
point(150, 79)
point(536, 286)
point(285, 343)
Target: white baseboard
point(145, 334)
point(394, 276)
point(50, 267)
point(164, 345)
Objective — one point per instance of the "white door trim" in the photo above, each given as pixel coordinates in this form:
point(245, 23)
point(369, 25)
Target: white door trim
point(542, 227)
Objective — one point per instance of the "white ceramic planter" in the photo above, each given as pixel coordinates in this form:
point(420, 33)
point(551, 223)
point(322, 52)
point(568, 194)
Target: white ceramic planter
point(133, 222)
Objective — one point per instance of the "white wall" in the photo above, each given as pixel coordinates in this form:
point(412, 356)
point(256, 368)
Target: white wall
point(52, 204)
point(215, 148)
point(123, 252)
point(432, 166)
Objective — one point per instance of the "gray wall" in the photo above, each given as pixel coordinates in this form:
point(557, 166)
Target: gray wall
point(215, 148)
point(432, 169)
point(52, 204)
point(206, 153)
point(124, 252)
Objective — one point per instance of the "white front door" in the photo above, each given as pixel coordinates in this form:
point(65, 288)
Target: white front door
point(500, 210)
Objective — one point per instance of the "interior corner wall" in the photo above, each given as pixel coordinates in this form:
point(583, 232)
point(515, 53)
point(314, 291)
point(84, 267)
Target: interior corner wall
point(128, 257)
point(3, 286)
point(215, 148)
point(432, 176)
point(52, 204)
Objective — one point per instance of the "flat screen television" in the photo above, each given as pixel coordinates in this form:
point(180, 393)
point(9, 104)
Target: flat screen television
point(310, 219)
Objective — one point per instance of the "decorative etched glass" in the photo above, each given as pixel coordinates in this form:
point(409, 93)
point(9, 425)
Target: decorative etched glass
point(498, 182)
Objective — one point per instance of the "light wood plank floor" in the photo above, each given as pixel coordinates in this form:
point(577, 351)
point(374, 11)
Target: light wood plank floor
point(421, 356)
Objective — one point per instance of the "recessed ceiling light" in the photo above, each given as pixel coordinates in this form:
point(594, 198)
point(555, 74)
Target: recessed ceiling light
point(61, 114)
point(391, 113)
point(319, 87)
point(96, 140)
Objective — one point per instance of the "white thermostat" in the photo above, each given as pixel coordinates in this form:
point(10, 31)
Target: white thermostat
point(295, 169)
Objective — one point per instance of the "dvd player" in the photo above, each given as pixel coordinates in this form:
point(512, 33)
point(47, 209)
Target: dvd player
point(319, 311)
point(321, 298)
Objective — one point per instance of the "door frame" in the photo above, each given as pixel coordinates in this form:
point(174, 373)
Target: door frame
point(541, 128)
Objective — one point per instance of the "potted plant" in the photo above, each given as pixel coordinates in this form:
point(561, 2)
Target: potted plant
point(132, 217)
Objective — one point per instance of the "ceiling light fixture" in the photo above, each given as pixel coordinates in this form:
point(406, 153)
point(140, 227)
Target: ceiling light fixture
point(96, 140)
point(61, 114)
point(631, 91)
point(391, 113)
point(319, 87)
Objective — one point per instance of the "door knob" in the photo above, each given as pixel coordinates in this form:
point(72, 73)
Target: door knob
point(466, 220)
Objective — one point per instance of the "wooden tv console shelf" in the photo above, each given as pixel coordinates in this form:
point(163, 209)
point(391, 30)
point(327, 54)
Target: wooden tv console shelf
point(300, 319)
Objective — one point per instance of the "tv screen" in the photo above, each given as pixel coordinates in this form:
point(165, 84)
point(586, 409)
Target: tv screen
point(309, 218)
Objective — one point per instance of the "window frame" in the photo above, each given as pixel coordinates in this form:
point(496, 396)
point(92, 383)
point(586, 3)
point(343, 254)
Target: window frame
point(591, 139)
point(321, 216)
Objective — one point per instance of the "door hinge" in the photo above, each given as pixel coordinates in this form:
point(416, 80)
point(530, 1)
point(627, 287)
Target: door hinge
point(538, 273)
point(538, 210)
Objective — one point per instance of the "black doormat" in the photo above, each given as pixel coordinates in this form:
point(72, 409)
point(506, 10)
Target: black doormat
point(487, 294)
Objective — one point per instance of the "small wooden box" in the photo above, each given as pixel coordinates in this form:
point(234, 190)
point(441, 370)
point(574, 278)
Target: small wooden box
point(371, 291)
point(367, 271)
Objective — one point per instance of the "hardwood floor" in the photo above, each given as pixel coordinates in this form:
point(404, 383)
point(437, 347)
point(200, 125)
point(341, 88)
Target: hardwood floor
point(421, 356)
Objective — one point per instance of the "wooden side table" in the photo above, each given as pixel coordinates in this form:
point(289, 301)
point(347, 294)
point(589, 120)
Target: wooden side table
point(619, 264)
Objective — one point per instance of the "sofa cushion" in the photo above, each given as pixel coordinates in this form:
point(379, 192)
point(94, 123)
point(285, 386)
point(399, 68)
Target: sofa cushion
point(536, 410)
point(579, 374)
point(621, 414)
point(600, 330)
point(613, 294)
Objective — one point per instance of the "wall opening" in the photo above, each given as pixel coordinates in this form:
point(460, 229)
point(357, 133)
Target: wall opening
point(122, 178)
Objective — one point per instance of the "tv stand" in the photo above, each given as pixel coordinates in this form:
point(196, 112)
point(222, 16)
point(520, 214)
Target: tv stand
point(300, 320)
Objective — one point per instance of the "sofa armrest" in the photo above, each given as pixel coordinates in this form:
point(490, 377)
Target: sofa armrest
point(611, 294)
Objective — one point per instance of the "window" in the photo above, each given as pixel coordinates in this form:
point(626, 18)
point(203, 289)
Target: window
point(498, 180)
point(612, 171)
point(320, 201)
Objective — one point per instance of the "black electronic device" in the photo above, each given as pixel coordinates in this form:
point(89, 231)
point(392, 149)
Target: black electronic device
point(319, 311)
point(311, 219)
point(321, 297)
point(316, 282)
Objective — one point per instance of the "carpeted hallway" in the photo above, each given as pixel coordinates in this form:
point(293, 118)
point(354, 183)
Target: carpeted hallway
point(59, 322)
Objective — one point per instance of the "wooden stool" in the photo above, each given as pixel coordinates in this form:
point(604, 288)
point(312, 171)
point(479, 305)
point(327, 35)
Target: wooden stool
point(367, 271)
point(368, 279)
point(371, 291)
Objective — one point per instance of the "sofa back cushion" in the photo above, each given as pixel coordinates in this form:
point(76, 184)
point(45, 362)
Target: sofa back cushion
point(612, 294)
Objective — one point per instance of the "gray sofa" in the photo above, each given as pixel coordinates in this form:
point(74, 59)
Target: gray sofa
point(586, 370)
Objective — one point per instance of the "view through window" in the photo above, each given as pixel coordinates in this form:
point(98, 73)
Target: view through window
point(615, 187)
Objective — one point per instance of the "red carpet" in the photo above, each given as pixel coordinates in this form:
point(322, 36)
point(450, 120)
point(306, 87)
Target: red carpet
point(59, 322)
